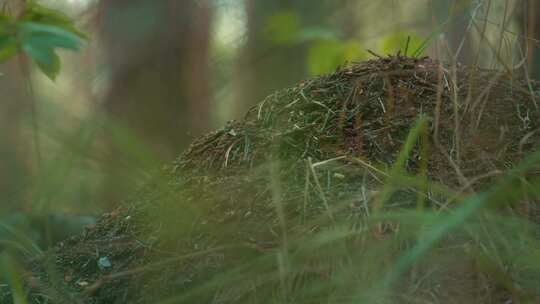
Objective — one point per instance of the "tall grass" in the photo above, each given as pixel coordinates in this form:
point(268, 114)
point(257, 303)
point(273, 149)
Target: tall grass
point(480, 250)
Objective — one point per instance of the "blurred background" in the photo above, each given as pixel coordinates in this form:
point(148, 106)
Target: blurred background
point(155, 74)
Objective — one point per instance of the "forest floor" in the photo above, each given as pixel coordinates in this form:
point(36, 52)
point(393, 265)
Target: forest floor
point(348, 187)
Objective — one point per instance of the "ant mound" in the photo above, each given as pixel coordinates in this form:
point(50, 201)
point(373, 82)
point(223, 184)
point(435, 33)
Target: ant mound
point(396, 180)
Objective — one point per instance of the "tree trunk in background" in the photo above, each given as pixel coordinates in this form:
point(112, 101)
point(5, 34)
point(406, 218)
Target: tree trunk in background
point(457, 35)
point(531, 24)
point(264, 66)
point(350, 22)
point(157, 53)
point(196, 69)
point(15, 159)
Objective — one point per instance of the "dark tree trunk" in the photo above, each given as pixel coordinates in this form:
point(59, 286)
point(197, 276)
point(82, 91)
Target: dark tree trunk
point(460, 46)
point(157, 52)
point(16, 157)
point(531, 24)
point(265, 66)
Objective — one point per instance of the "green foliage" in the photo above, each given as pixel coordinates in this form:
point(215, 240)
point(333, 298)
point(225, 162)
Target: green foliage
point(401, 41)
point(426, 42)
point(326, 55)
point(398, 168)
point(283, 28)
point(286, 28)
point(316, 33)
point(11, 273)
point(8, 47)
point(325, 50)
point(42, 15)
point(38, 33)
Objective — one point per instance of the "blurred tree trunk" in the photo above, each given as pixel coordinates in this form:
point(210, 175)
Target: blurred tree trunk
point(265, 66)
point(460, 41)
point(350, 22)
point(157, 56)
point(531, 29)
point(15, 159)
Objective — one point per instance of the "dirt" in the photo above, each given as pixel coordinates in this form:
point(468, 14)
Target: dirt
point(213, 227)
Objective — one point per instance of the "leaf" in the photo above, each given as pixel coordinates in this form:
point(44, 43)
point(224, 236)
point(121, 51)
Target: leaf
point(57, 36)
point(40, 14)
point(6, 25)
point(38, 54)
point(316, 33)
point(38, 34)
point(46, 59)
point(393, 43)
point(322, 57)
point(5, 19)
point(326, 55)
point(12, 273)
point(8, 47)
point(286, 28)
point(39, 41)
point(7, 52)
point(352, 51)
point(51, 41)
point(283, 27)
point(50, 70)
point(425, 44)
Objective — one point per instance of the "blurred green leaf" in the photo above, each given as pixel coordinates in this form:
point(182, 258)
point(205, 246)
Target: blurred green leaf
point(316, 33)
point(46, 59)
point(425, 43)
point(322, 57)
point(393, 43)
point(52, 36)
point(52, 68)
point(48, 41)
point(351, 50)
point(12, 273)
point(38, 54)
point(38, 33)
point(6, 25)
point(42, 15)
point(326, 55)
point(8, 47)
point(286, 28)
point(283, 27)
point(39, 41)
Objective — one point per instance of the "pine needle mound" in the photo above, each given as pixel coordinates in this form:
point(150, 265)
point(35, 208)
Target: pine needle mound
point(316, 194)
